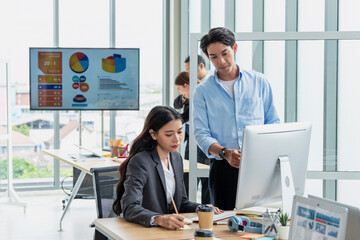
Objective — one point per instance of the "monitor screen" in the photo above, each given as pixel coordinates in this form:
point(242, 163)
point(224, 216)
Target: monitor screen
point(264, 149)
point(84, 78)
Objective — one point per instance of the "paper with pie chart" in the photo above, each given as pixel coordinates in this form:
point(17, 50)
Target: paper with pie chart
point(84, 78)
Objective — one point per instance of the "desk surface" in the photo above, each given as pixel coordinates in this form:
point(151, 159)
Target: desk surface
point(118, 228)
point(87, 164)
point(84, 165)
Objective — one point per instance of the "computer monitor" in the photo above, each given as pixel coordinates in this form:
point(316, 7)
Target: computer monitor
point(84, 78)
point(353, 220)
point(273, 164)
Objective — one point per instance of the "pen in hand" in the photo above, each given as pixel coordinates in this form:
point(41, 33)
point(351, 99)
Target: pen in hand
point(173, 202)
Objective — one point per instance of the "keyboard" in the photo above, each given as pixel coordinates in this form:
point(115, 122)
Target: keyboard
point(218, 216)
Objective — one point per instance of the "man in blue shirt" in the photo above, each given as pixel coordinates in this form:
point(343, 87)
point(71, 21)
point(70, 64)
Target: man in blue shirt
point(223, 105)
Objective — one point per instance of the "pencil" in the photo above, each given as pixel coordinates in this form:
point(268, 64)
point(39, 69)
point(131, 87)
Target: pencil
point(172, 200)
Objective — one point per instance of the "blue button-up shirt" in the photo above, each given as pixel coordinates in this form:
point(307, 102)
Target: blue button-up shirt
point(220, 119)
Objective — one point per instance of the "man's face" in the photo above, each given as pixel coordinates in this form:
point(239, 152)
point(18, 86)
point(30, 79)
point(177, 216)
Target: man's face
point(222, 57)
point(187, 68)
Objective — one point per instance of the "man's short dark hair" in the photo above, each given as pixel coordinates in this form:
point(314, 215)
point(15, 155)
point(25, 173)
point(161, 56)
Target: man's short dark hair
point(219, 34)
point(200, 60)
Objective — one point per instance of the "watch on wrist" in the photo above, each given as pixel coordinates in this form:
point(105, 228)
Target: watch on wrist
point(222, 152)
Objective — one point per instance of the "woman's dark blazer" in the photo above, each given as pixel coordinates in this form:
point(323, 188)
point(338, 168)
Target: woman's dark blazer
point(145, 188)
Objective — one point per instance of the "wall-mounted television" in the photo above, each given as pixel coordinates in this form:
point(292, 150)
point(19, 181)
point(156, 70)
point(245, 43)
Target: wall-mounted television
point(84, 78)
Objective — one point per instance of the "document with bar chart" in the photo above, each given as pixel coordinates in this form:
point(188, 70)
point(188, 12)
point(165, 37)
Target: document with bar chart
point(84, 78)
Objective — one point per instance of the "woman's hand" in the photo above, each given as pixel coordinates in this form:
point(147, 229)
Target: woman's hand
point(216, 209)
point(170, 221)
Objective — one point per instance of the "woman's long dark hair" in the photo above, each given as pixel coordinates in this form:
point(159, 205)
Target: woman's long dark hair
point(157, 117)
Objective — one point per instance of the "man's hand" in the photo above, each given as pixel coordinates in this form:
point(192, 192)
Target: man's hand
point(170, 221)
point(216, 209)
point(233, 157)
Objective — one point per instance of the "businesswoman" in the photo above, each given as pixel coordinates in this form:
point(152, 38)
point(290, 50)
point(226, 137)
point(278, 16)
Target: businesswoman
point(152, 172)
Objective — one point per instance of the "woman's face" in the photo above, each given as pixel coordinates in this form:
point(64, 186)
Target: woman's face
point(169, 136)
point(183, 90)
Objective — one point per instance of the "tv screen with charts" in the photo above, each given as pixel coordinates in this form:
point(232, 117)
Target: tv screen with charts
point(84, 78)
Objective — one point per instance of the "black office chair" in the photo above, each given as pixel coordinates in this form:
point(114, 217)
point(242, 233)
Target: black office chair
point(105, 181)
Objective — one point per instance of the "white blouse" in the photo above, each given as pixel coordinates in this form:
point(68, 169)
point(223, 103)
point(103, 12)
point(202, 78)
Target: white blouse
point(169, 180)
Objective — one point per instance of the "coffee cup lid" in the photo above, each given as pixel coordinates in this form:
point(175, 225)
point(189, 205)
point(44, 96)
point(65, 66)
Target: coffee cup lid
point(204, 208)
point(203, 233)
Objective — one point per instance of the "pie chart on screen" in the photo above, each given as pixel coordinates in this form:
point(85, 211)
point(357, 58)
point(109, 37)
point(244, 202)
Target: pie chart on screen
point(79, 62)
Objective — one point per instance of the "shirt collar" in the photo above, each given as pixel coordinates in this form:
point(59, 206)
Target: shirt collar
point(218, 80)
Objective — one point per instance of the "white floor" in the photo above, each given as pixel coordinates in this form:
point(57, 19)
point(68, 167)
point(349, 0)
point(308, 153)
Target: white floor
point(41, 218)
point(42, 215)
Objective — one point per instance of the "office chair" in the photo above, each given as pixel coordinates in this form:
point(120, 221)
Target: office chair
point(105, 181)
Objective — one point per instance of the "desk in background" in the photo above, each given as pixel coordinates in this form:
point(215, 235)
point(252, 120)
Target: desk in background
point(86, 165)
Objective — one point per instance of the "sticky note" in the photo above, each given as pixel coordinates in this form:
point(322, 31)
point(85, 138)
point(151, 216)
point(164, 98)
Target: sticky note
point(185, 227)
point(252, 236)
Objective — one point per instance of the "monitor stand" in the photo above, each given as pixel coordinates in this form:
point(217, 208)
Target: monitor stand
point(287, 184)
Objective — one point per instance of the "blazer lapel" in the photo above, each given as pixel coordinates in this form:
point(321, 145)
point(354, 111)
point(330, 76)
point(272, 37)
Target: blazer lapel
point(176, 164)
point(160, 170)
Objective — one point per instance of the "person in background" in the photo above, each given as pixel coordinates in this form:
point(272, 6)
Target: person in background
point(182, 101)
point(152, 175)
point(223, 105)
point(202, 72)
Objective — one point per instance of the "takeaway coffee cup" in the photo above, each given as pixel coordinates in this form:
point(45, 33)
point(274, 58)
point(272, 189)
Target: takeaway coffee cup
point(203, 234)
point(206, 217)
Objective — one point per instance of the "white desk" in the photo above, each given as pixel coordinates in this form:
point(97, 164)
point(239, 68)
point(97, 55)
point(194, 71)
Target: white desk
point(86, 165)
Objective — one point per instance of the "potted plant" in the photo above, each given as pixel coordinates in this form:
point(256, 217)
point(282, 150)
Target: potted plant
point(283, 228)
